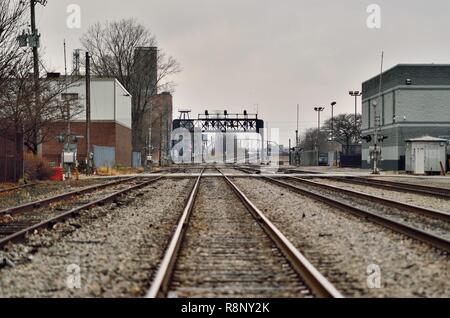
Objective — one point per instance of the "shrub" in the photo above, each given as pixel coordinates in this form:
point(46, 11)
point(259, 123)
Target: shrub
point(37, 168)
point(82, 166)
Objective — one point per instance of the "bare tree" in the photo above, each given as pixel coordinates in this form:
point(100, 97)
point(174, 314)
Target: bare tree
point(112, 47)
point(342, 129)
point(309, 139)
point(12, 18)
point(21, 114)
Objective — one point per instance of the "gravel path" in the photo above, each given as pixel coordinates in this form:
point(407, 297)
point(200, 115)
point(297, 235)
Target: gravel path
point(227, 254)
point(344, 247)
point(44, 190)
point(117, 248)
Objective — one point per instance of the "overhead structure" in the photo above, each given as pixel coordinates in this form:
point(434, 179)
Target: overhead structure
point(221, 122)
point(226, 124)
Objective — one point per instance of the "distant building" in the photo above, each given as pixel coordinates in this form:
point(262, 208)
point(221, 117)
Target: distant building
point(415, 102)
point(110, 123)
point(11, 158)
point(160, 119)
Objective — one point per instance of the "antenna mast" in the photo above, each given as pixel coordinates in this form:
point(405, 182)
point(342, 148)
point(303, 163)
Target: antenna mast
point(377, 150)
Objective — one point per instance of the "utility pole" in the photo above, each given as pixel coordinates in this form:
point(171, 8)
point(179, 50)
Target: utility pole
point(88, 113)
point(296, 131)
point(34, 42)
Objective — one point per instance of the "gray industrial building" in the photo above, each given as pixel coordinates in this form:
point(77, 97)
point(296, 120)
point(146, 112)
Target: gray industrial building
point(415, 102)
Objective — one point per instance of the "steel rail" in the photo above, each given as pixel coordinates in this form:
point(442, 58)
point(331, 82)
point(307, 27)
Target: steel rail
point(21, 235)
point(318, 284)
point(160, 284)
point(23, 186)
point(40, 203)
point(445, 216)
point(397, 186)
point(414, 233)
point(284, 170)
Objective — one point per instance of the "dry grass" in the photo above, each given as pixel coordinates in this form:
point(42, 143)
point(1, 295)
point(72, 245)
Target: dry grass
point(106, 171)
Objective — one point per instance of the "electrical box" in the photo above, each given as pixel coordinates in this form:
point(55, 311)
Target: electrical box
point(34, 40)
point(23, 39)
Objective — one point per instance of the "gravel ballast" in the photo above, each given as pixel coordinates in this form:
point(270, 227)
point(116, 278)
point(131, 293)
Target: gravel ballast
point(438, 182)
point(227, 254)
point(44, 190)
point(117, 248)
point(344, 247)
point(423, 200)
point(425, 223)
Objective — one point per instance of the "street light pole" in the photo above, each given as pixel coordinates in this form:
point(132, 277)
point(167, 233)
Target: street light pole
point(318, 110)
point(332, 116)
point(332, 130)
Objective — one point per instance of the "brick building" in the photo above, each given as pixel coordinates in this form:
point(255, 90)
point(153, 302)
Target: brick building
point(110, 123)
point(415, 102)
point(11, 158)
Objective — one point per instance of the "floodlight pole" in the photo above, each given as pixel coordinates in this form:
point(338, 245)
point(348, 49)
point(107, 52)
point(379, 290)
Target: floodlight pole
point(356, 94)
point(318, 110)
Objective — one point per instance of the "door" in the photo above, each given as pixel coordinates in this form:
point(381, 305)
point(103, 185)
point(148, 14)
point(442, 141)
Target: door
point(419, 155)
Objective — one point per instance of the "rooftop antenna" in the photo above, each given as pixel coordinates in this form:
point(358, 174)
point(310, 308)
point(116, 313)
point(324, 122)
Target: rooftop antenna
point(65, 58)
point(76, 62)
point(377, 150)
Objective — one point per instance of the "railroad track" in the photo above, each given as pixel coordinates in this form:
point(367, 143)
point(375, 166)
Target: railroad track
point(441, 193)
point(24, 222)
point(257, 170)
point(16, 188)
point(399, 217)
point(60, 197)
point(223, 245)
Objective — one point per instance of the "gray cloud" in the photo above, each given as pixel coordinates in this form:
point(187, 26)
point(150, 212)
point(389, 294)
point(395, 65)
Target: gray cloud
point(236, 53)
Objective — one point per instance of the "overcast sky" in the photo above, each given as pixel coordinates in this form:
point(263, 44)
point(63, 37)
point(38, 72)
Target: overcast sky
point(275, 53)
